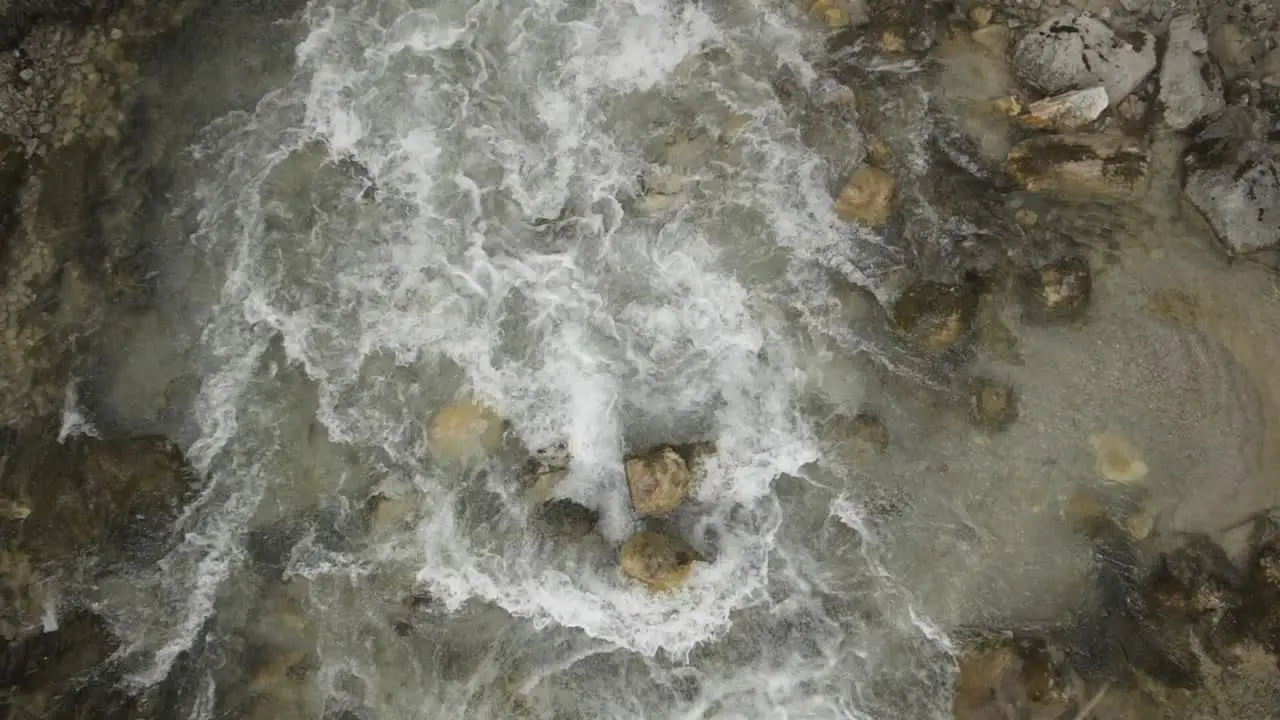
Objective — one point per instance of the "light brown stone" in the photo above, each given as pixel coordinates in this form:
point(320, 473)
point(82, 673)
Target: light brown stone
point(660, 561)
point(659, 482)
point(867, 197)
point(464, 432)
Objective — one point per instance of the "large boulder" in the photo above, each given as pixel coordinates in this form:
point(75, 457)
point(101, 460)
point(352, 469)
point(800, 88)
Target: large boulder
point(659, 481)
point(1240, 198)
point(1191, 88)
point(1075, 51)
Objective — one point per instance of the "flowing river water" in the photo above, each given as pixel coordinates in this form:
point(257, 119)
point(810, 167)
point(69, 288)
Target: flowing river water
point(608, 222)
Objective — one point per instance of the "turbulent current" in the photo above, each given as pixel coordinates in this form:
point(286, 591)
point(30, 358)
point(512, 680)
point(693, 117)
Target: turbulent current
point(599, 220)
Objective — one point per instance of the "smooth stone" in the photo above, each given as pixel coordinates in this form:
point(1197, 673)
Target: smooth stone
point(660, 561)
point(464, 432)
point(866, 198)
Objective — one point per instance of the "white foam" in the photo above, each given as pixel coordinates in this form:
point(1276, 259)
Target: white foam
point(604, 332)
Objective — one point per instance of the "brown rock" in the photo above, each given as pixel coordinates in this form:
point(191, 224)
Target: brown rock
point(659, 481)
point(1081, 167)
point(934, 317)
point(1012, 677)
point(867, 197)
point(1068, 111)
point(992, 405)
point(660, 561)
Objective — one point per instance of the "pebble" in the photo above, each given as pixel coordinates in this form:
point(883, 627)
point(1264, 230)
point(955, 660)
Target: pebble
point(116, 33)
point(27, 75)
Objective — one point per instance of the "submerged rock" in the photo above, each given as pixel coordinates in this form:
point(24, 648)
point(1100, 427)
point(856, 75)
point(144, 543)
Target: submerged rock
point(1081, 166)
point(545, 470)
point(1015, 676)
point(1059, 290)
point(464, 432)
point(1116, 459)
point(992, 405)
point(659, 481)
point(865, 434)
point(934, 317)
point(660, 561)
point(867, 197)
point(1240, 199)
point(1191, 88)
point(1068, 111)
point(1078, 50)
point(568, 520)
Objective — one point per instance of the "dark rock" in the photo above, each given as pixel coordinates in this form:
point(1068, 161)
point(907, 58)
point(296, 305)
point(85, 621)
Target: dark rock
point(1258, 616)
point(567, 519)
point(934, 317)
point(1081, 166)
point(1057, 290)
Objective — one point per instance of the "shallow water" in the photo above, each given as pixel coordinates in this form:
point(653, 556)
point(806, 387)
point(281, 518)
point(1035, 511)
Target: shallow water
point(449, 202)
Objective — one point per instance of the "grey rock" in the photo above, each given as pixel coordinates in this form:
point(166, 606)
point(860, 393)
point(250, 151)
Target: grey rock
point(1241, 200)
point(1074, 51)
point(1190, 84)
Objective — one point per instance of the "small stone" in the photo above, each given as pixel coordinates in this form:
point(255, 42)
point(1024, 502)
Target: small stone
point(116, 33)
point(866, 198)
point(1068, 111)
point(1077, 50)
point(980, 16)
point(1026, 218)
point(934, 317)
point(1081, 166)
point(660, 561)
point(1057, 291)
point(1139, 523)
point(992, 405)
point(993, 37)
point(27, 75)
point(831, 13)
point(1116, 459)
point(13, 510)
point(892, 42)
point(1008, 106)
point(384, 513)
point(658, 481)
point(464, 432)
point(1191, 89)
